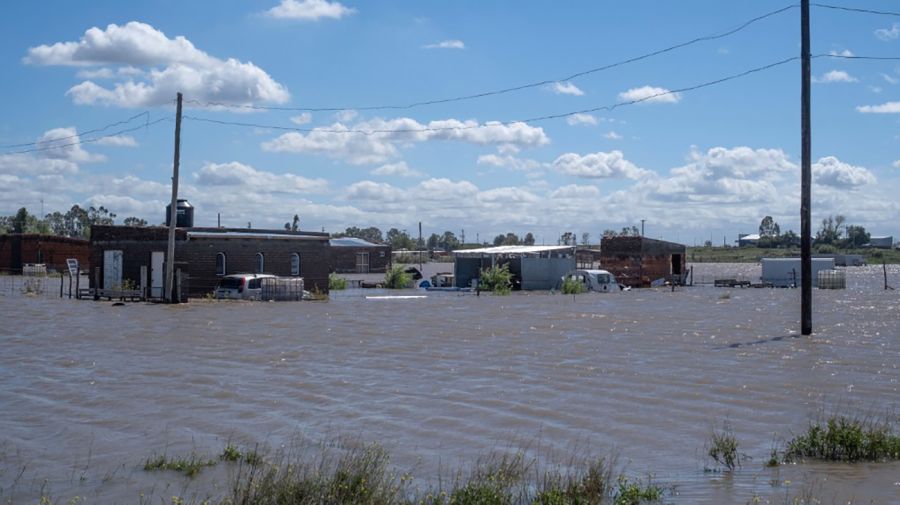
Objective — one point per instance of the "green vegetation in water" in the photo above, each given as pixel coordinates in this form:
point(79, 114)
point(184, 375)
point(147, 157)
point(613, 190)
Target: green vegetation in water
point(754, 254)
point(336, 283)
point(189, 466)
point(496, 279)
point(396, 278)
point(723, 449)
point(571, 286)
point(842, 438)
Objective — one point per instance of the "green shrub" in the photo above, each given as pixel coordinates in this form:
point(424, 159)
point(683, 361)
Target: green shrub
point(572, 286)
point(336, 283)
point(396, 278)
point(845, 439)
point(496, 279)
point(723, 448)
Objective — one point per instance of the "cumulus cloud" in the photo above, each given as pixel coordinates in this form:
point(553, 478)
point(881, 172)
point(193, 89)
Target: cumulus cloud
point(611, 135)
point(374, 191)
point(399, 169)
point(830, 171)
point(506, 196)
point(508, 161)
point(846, 52)
point(896, 164)
point(447, 44)
point(345, 116)
point(309, 10)
point(383, 137)
point(574, 191)
point(888, 34)
point(174, 64)
point(239, 174)
point(118, 141)
point(301, 119)
point(566, 88)
point(649, 94)
point(885, 108)
point(835, 76)
point(445, 189)
point(65, 144)
point(581, 119)
point(598, 165)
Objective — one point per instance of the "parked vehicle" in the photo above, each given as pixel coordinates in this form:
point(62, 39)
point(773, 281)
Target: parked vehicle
point(241, 286)
point(595, 280)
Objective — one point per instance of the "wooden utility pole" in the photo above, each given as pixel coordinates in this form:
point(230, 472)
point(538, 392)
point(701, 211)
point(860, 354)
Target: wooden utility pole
point(805, 176)
point(173, 211)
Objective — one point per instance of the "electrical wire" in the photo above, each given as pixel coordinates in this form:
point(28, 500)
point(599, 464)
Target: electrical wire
point(855, 9)
point(607, 108)
point(576, 75)
point(145, 114)
point(90, 140)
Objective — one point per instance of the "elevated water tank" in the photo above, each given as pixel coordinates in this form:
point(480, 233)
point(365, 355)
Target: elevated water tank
point(185, 212)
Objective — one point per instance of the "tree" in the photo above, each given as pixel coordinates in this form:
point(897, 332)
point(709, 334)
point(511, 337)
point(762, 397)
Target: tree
point(528, 240)
point(432, 243)
point(295, 224)
point(857, 236)
point(830, 232)
point(135, 222)
point(498, 240)
point(788, 239)
point(399, 239)
point(567, 238)
point(20, 220)
point(769, 228)
point(370, 234)
point(585, 238)
point(511, 239)
point(448, 241)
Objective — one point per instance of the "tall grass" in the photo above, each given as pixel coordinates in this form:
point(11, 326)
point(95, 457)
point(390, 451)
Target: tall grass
point(842, 438)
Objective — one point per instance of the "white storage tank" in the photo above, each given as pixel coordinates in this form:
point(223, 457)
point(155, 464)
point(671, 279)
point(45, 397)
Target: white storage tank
point(785, 272)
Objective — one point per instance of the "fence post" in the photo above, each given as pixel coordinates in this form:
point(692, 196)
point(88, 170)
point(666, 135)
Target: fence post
point(62, 279)
point(78, 283)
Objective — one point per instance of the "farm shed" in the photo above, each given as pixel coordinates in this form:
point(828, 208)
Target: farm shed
point(640, 261)
point(786, 272)
point(532, 267)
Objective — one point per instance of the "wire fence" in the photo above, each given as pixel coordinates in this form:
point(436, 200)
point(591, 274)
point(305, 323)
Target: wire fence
point(38, 283)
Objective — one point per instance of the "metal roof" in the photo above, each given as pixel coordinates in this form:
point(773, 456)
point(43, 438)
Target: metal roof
point(352, 242)
point(514, 249)
point(252, 234)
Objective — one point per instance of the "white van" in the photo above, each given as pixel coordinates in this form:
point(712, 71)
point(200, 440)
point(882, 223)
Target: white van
point(595, 280)
point(241, 286)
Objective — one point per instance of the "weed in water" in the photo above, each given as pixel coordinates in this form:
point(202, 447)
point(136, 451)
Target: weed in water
point(189, 466)
point(230, 453)
point(572, 286)
point(843, 438)
point(723, 448)
point(635, 493)
point(336, 283)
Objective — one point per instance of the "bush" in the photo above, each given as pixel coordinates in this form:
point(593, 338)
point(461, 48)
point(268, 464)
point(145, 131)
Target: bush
point(396, 278)
point(571, 286)
point(496, 279)
point(845, 439)
point(723, 448)
point(336, 283)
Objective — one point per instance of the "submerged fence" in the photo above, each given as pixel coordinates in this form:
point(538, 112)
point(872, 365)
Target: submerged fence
point(37, 282)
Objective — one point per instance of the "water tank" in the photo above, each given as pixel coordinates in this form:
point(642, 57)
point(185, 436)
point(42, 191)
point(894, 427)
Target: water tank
point(185, 212)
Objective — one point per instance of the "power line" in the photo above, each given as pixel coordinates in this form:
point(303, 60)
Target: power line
point(95, 139)
point(576, 75)
point(855, 9)
point(145, 114)
point(607, 108)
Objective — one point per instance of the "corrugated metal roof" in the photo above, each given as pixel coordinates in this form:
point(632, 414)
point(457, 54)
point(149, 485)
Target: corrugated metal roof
point(252, 234)
point(514, 249)
point(352, 242)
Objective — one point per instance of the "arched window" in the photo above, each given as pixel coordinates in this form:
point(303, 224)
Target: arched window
point(220, 263)
point(260, 263)
point(295, 264)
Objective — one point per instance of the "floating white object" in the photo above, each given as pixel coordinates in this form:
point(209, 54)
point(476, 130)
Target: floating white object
point(395, 297)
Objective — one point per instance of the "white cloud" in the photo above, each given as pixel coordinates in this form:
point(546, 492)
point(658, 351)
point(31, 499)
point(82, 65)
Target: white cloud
point(896, 164)
point(830, 171)
point(245, 176)
point(508, 161)
point(301, 119)
point(507, 196)
point(835, 76)
point(346, 115)
point(846, 52)
point(445, 189)
point(25, 164)
point(309, 10)
point(374, 192)
point(598, 166)
point(65, 144)
point(100, 73)
point(890, 79)
point(888, 34)
point(649, 94)
point(581, 119)
point(611, 135)
point(184, 68)
point(384, 136)
point(575, 191)
point(566, 88)
point(447, 44)
point(399, 169)
point(885, 108)
point(118, 141)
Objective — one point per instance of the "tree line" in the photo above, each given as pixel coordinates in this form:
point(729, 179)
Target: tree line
point(76, 222)
point(833, 231)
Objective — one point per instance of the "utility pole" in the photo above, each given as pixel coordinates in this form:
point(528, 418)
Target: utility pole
point(173, 212)
point(805, 176)
point(642, 227)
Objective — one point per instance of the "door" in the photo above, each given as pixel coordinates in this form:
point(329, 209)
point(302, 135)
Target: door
point(157, 273)
point(112, 269)
point(362, 263)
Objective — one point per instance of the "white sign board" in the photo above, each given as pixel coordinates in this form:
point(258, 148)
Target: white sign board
point(73, 266)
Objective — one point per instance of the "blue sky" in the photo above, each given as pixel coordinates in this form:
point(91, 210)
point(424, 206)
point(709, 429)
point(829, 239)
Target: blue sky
point(698, 165)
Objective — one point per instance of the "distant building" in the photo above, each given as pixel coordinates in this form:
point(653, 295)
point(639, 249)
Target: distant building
point(355, 255)
point(748, 239)
point(885, 242)
point(641, 261)
point(532, 267)
point(204, 255)
point(18, 249)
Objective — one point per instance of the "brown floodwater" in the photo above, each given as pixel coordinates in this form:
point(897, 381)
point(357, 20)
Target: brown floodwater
point(90, 390)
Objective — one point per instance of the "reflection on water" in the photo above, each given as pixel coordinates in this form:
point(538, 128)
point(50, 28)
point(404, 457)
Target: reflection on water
point(90, 390)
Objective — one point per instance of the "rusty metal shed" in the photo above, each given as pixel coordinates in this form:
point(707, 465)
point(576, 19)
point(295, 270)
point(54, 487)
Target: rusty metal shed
point(532, 267)
point(643, 262)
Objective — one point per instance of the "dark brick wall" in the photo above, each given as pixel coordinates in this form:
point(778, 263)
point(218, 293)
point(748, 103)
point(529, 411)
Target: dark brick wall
point(53, 251)
point(197, 257)
point(343, 258)
point(637, 261)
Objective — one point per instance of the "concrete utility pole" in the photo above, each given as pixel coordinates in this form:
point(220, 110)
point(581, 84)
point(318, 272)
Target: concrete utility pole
point(173, 212)
point(805, 176)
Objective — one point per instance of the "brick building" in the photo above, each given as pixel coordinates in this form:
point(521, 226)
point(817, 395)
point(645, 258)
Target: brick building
point(641, 261)
point(17, 249)
point(204, 255)
point(355, 255)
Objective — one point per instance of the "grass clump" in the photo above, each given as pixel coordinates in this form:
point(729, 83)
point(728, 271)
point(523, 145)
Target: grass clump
point(396, 278)
point(189, 466)
point(723, 448)
point(572, 286)
point(336, 283)
point(496, 279)
point(635, 492)
point(848, 439)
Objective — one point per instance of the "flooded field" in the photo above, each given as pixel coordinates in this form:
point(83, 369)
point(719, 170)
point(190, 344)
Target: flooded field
point(91, 390)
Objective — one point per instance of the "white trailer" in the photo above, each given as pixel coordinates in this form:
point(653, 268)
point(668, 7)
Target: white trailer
point(785, 272)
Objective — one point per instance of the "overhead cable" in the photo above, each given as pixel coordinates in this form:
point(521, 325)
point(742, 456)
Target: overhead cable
point(145, 114)
point(856, 9)
point(90, 140)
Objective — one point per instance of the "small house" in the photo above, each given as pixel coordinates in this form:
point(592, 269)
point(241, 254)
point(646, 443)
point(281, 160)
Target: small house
point(532, 267)
point(18, 249)
point(642, 262)
point(355, 255)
